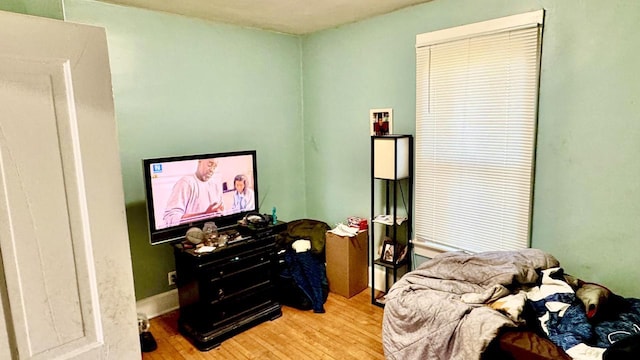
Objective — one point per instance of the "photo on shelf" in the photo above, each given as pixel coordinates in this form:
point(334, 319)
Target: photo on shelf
point(387, 252)
point(381, 121)
point(402, 251)
point(388, 249)
point(386, 240)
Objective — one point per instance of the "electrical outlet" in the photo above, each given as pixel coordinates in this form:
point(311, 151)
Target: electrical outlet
point(171, 277)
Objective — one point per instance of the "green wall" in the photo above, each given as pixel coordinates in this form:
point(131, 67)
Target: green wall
point(587, 202)
point(45, 8)
point(185, 86)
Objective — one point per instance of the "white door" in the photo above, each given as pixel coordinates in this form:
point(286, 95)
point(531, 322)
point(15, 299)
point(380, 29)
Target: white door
point(66, 284)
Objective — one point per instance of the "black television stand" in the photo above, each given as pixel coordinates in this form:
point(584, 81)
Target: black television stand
point(230, 289)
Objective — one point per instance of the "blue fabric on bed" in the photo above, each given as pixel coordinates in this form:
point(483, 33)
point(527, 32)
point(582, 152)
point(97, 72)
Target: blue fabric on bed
point(621, 325)
point(569, 329)
point(572, 327)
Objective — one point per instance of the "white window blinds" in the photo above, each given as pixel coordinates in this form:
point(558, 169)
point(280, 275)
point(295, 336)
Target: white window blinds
point(475, 134)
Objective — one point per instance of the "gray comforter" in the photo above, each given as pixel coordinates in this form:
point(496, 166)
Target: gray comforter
point(438, 310)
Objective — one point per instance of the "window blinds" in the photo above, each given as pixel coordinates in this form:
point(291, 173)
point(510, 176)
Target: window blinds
point(475, 138)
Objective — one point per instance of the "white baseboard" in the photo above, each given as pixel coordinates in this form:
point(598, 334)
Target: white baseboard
point(160, 304)
point(380, 274)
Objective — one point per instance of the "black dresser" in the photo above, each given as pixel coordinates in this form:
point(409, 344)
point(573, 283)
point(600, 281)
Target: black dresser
point(230, 289)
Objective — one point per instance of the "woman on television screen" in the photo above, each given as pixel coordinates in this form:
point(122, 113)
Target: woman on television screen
point(243, 198)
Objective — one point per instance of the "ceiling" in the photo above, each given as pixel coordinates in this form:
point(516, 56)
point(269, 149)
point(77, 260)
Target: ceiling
point(287, 16)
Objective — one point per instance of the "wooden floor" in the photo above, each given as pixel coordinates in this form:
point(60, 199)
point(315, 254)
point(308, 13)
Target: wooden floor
point(350, 329)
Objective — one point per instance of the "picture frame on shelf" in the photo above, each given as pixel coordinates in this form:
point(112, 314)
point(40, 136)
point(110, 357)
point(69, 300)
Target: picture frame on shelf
point(387, 252)
point(388, 249)
point(381, 122)
point(402, 253)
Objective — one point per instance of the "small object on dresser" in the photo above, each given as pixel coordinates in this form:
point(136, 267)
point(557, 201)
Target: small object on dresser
point(204, 249)
point(222, 240)
point(195, 235)
point(210, 231)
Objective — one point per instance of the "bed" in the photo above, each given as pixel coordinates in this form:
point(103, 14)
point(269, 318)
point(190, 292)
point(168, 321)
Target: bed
point(505, 305)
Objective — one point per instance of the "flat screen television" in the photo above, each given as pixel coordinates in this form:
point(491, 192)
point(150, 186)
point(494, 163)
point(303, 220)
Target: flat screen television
point(187, 191)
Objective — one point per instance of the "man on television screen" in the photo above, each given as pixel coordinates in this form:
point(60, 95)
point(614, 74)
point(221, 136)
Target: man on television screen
point(195, 195)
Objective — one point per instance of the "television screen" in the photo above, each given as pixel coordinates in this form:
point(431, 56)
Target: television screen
point(187, 191)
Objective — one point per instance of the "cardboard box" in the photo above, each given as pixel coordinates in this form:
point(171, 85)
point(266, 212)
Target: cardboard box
point(347, 263)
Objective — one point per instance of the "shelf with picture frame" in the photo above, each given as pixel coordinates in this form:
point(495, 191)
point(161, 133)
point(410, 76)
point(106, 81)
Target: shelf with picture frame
point(392, 252)
point(391, 195)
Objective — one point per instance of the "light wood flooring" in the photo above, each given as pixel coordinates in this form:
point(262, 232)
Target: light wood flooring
point(350, 329)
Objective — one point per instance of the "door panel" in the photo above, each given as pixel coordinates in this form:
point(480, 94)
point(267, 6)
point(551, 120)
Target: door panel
point(68, 286)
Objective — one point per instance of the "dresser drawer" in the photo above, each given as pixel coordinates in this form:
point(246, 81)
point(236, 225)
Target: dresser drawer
point(220, 263)
point(234, 281)
point(244, 303)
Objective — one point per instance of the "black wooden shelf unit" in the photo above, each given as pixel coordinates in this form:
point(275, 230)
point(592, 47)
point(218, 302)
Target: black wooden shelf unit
point(391, 211)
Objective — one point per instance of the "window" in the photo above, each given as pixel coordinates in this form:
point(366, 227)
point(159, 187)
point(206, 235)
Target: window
point(477, 95)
